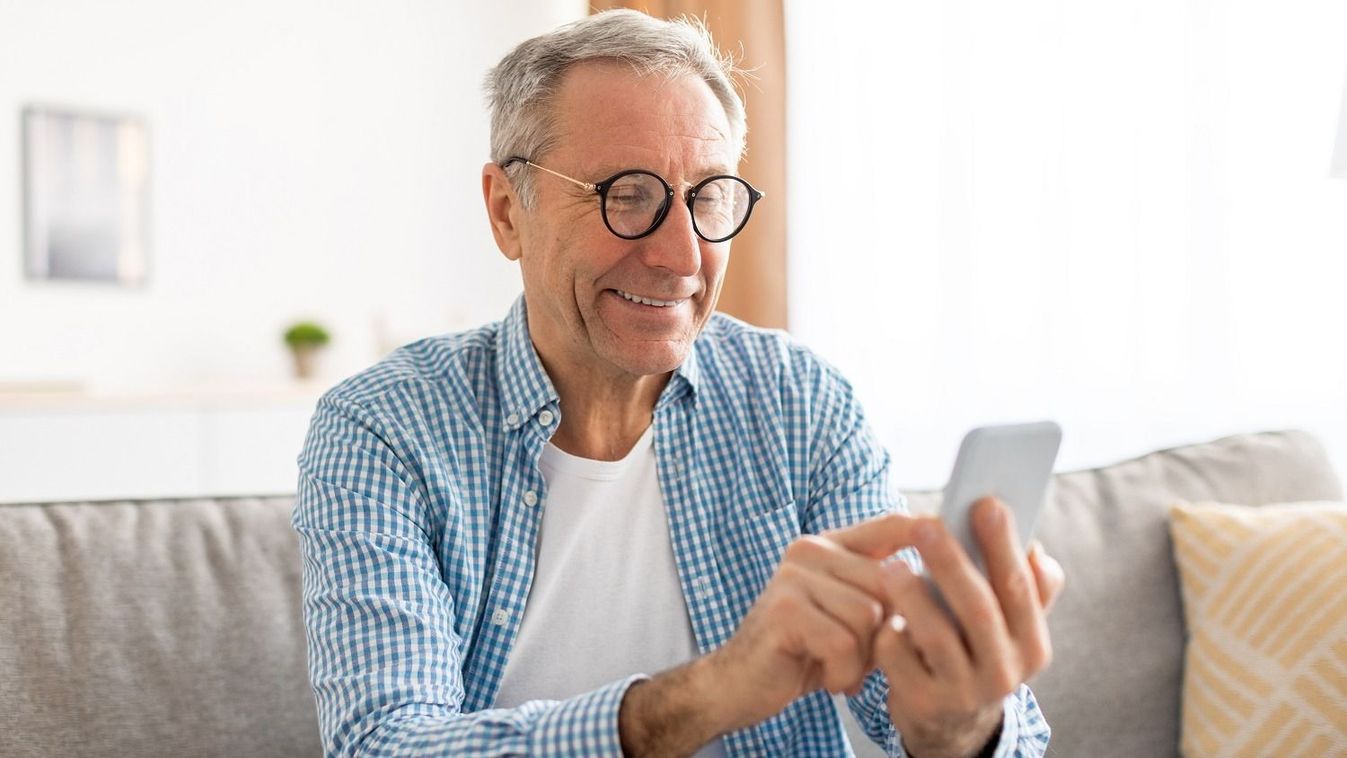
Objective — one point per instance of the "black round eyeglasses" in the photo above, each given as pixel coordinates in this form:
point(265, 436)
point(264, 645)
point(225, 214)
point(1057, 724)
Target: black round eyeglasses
point(635, 202)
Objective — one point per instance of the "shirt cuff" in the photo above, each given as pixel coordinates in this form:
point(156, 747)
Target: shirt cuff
point(586, 724)
point(1019, 739)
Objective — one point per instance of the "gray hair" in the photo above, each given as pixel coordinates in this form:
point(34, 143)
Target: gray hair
point(521, 87)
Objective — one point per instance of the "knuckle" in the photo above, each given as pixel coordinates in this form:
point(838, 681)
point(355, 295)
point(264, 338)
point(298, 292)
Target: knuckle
point(874, 613)
point(867, 576)
point(1038, 656)
point(840, 645)
point(1002, 682)
point(866, 612)
point(939, 542)
point(788, 571)
point(983, 614)
point(1016, 586)
point(808, 547)
point(787, 603)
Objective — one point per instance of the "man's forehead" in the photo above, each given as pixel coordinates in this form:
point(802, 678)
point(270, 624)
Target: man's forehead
point(605, 107)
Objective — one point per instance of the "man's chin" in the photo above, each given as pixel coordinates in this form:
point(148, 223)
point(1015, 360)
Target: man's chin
point(639, 349)
point(650, 358)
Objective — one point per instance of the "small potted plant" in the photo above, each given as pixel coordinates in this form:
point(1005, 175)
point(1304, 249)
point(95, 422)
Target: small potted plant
point(305, 339)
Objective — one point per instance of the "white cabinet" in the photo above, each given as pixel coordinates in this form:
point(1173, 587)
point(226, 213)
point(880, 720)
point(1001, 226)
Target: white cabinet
point(198, 442)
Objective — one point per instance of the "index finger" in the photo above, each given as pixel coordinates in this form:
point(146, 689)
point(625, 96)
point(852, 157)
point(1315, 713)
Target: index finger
point(878, 537)
point(1008, 569)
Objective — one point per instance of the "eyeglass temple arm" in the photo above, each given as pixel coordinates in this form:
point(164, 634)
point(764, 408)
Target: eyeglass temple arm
point(527, 162)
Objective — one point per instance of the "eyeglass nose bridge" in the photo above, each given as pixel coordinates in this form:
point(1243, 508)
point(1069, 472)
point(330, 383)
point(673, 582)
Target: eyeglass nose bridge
point(689, 197)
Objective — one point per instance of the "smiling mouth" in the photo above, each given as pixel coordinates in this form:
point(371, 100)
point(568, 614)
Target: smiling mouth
point(647, 300)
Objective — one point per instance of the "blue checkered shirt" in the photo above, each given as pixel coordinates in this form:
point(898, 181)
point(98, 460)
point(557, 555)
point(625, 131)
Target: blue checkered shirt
point(420, 501)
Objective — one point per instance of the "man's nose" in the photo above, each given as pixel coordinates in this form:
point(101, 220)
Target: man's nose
point(674, 246)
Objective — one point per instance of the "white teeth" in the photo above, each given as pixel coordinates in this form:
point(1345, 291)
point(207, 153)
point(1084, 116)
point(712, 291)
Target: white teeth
point(647, 300)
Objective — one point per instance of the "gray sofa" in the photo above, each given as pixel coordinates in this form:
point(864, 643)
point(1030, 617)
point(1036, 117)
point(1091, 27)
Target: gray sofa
point(173, 627)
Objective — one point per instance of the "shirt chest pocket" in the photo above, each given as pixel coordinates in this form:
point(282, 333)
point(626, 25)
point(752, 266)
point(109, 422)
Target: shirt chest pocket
point(754, 547)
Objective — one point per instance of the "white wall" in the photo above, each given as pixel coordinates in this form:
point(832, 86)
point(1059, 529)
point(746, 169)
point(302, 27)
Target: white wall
point(1114, 214)
point(309, 159)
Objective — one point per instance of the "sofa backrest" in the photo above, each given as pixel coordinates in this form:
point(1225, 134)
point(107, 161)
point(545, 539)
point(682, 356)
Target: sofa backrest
point(174, 627)
point(1118, 634)
point(152, 628)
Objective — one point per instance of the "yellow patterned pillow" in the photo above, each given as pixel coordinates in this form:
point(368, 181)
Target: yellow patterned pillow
point(1265, 596)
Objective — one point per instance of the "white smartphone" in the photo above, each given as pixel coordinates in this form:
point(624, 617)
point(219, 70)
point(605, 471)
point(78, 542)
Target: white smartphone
point(1011, 462)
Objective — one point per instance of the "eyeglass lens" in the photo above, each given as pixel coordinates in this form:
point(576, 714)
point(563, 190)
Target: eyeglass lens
point(635, 202)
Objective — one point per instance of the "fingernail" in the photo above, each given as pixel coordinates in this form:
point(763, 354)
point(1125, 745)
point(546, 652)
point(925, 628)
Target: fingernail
point(1056, 566)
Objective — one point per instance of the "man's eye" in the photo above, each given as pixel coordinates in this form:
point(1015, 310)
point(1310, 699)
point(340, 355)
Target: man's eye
point(714, 202)
point(711, 194)
point(628, 197)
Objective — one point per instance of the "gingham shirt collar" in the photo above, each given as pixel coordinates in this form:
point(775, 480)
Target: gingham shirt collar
point(525, 388)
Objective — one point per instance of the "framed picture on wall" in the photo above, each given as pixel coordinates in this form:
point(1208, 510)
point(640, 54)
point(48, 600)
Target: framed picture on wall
point(86, 181)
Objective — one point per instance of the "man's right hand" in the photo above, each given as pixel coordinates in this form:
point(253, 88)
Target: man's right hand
point(813, 625)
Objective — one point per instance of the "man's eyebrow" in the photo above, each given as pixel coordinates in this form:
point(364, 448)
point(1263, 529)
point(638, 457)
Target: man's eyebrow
point(605, 170)
point(719, 169)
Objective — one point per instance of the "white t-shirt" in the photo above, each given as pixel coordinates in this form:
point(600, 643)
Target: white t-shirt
point(606, 601)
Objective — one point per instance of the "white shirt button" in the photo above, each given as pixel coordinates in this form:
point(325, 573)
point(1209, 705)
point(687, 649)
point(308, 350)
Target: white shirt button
point(530, 498)
point(500, 617)
point(701, 586)
point(512, 419)
point(546, 418)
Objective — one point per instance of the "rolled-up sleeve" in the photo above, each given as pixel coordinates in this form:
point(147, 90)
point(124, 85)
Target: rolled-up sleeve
point(1024, 732)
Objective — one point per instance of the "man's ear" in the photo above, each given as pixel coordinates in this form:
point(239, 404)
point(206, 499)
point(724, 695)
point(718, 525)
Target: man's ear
point(503, 210)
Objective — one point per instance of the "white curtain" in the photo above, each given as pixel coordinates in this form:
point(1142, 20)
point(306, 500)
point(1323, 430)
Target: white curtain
point(1114, 214)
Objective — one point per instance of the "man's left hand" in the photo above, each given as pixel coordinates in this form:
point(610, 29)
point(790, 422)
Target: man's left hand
point(946, 689)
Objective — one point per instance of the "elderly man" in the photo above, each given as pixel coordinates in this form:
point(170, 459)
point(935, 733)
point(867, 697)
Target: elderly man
point(616, 522)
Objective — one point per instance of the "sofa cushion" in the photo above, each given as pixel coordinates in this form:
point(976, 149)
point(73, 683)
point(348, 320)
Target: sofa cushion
point(1265, 599)
point(153, 628)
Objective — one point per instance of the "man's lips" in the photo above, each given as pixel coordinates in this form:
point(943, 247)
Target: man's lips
point(648, 300)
